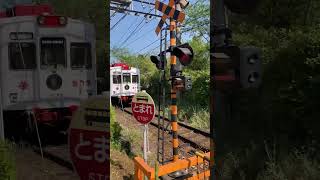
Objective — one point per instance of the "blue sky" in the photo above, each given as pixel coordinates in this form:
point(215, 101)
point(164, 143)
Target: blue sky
point(145, 38)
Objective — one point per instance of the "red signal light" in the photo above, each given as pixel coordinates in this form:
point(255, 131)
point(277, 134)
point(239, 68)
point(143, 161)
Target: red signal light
point(184, 53)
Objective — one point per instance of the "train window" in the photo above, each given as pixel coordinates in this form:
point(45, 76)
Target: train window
point(53, 52)
point(22, 55)
point(135, 79)
point(126, 77)
point(81, 55)
point(116, 79)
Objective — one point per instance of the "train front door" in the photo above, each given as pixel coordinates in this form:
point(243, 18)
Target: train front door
point(53, 67)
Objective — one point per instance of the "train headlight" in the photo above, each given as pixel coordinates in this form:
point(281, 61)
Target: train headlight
point(63, 20)
point(52, 21)
point(41, 20)
point(126, 87)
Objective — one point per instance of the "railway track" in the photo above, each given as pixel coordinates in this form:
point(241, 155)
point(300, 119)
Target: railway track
point(58, 154)
point(196, 138)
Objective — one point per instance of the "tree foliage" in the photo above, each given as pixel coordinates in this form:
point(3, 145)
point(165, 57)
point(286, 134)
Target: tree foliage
point(285, 106)
point(197, 20)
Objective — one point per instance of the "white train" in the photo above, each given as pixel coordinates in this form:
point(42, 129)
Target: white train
point(48, 65)
point(124, 83)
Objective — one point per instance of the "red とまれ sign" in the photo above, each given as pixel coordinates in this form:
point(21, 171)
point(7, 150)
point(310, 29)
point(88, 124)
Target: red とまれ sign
point(89, 139)
point(143, 107)
point(90, 154)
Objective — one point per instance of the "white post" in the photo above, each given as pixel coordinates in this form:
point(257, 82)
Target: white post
point(148, 147)
point(145, 137)
point(1, 117)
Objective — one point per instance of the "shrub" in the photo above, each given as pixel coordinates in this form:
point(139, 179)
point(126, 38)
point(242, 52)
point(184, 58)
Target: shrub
point(200, 118)
point(115, 129)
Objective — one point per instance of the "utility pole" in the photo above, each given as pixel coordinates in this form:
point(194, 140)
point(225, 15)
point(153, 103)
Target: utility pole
point(218, 39)
point(231, 68)
point(1, 119)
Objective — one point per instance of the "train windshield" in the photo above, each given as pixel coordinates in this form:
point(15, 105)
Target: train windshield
point(116, 79)
point(126, 78)
point(81, 55)
point(135, 79)
point(53, 52)
point(22, 55)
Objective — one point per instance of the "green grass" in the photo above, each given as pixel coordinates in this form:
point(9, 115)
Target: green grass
point(7, 161)
point(196, 116)
point(256, 163)
point(201, 119)
point(297, 165)
point(191, 113)
point(123, 138)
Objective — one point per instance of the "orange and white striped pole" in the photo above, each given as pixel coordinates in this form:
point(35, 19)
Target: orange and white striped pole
point(174, 108)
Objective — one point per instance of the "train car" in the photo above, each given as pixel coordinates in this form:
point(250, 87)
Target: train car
point(48, 65)
point(124, 83)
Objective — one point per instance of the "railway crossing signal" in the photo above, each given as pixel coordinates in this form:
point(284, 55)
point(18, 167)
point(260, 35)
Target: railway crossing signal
point(250, 67)
point(169, 11)
point(158, 61)
point(184, 53)
point(225, 65)
point(236, 67)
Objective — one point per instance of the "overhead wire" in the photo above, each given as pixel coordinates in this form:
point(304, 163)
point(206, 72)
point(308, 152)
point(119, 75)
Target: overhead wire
point(142, 35)
point(114, 13)
point(152, 49)
point(148, 45)
point(118, 21)
point(131, 33)
point(168, 44)
point(134, 21)
point(134, 31)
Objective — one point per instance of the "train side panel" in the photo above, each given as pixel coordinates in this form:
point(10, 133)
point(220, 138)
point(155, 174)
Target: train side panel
point(17, 83)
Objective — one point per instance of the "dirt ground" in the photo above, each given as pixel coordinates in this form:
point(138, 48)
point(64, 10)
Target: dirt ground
point(30, 166)
point(131, 126)
point(122, 166)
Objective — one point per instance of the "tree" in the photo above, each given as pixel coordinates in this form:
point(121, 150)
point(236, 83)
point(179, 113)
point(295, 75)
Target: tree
point(281, 14)
point(197, 22)
point(201, 59)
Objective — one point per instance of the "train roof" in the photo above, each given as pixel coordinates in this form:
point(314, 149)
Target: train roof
point(33, 10)
point(123, 66)
point(27, 10)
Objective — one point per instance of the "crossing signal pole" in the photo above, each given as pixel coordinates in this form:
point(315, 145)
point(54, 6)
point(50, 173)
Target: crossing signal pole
point(183, 52)
point(231, 67)
point(173, 108)
point(181, 55)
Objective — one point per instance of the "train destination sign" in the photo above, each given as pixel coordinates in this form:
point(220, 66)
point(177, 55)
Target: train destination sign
point(89, 139)
point(143, 107)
